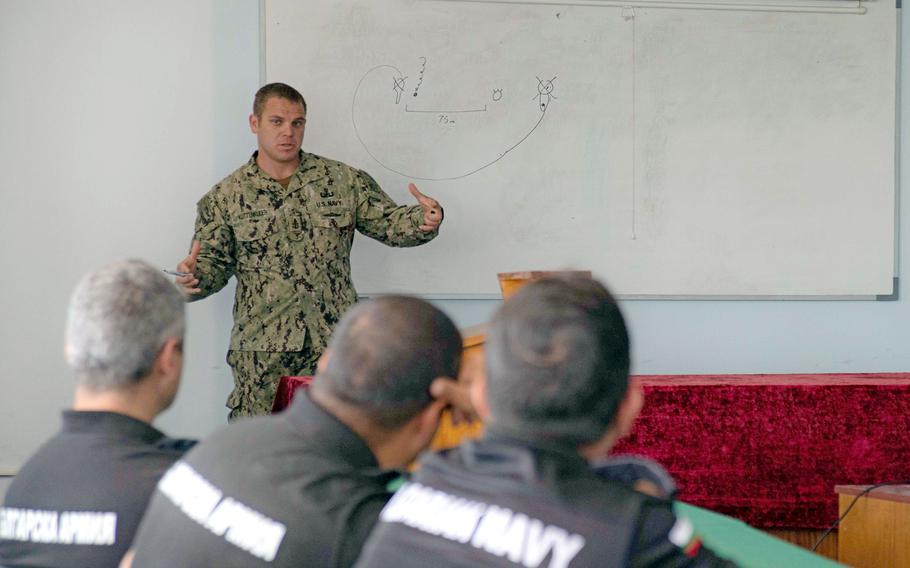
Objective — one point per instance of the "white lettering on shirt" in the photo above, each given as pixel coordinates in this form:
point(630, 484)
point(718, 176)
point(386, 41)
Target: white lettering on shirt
point(225, 517)
point(86, 528)
point(497, 530)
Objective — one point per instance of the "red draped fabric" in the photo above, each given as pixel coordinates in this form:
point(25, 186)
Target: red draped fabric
point(286, 389)
point(769, 449)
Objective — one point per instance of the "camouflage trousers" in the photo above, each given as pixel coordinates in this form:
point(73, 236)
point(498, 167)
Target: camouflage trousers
point(256, 378)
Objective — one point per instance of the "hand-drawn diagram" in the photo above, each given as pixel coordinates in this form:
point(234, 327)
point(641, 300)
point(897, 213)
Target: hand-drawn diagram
point(436, 136)
point(398, 88)
point(544, 93)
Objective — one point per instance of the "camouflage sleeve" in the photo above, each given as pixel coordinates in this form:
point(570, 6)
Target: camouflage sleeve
point(669, 541)
point(216, 261)
point(380, 218)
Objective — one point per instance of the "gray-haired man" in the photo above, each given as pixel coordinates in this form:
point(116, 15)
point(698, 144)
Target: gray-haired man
point(78, 501)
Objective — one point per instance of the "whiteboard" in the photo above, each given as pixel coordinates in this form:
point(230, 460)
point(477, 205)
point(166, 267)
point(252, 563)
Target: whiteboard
point(674, 152)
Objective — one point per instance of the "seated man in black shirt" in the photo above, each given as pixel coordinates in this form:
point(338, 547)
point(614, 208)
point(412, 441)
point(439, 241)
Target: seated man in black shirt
point(304, 488)
point(78, 501)
point(555, 399)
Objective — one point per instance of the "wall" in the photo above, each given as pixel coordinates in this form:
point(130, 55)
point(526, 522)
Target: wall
point(118, 115)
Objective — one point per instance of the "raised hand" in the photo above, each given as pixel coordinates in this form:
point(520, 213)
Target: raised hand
point(432, 211)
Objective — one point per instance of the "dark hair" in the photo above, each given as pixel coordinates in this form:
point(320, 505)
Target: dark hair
point(385, 353)
point(557, 362)
point(276, 90)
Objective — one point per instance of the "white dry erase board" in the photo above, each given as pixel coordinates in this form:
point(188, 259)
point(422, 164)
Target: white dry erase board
point(675, 149)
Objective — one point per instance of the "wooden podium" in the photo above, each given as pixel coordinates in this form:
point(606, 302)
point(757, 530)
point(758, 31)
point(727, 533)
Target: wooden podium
point(875, 532)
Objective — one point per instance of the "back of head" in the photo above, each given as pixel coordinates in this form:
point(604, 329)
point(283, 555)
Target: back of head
point(280, 90)
point(119, 318)
point(383, 356)
point(557, 362)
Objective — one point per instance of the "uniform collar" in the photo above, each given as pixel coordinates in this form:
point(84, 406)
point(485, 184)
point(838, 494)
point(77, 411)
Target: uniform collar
point(505, 456)
point(121, 425)
point(328, 434)
point(310, 169)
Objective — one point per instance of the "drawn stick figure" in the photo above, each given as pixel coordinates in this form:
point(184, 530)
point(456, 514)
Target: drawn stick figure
point(544, 93)
point(399, 88)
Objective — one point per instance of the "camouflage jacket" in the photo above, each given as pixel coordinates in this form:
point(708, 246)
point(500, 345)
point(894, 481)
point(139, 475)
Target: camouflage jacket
point(290, 248)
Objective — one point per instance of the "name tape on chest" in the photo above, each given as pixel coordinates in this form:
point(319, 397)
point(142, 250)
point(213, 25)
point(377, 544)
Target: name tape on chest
point(498, 530)
point(225, 517)
point(82, 528)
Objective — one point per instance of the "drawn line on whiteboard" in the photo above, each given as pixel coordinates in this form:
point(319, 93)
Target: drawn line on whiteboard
point(544, 93)
point(423, 69)
point(408, 109)
point(544, 88)
point(628, 14)
point(399, 88)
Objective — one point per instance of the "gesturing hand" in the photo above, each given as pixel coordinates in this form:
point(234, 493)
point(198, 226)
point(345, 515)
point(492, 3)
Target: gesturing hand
point(432, 211)
point(457, 395)
point(189, 283)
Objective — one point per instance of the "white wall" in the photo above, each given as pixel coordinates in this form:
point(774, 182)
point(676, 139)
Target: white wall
point(118, 114)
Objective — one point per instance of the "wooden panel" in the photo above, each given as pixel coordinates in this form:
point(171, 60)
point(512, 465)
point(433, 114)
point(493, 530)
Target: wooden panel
point(874, 534)
point(511, 282)
point(900, 492)
point(806, 538)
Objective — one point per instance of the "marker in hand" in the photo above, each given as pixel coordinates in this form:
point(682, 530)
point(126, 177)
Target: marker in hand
point(186, 268)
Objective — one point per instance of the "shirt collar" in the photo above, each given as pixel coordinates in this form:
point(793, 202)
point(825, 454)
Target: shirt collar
point(85, 421)
point(565, 458)
point(327, 433)
point(310, 169)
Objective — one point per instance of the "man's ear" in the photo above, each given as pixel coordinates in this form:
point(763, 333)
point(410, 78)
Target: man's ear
point(629, 409)
point(430, 416)
point(401, 446)
point(169, 362)
point(323, 361)
point(479, 396)
point(254, 124)
point(167, 370)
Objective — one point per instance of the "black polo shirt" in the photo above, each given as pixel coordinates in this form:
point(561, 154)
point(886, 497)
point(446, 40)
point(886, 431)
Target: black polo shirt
point(295, 489)
point(78, 501)
point(505, 503)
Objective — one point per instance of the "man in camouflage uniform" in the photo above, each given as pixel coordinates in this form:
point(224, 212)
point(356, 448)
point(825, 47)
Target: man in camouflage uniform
point(283, 224)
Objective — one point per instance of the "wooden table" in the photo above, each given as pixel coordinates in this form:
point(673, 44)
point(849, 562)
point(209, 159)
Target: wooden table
point(876, 532)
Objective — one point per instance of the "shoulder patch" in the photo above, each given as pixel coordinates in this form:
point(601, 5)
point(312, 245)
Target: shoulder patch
point(683, 535)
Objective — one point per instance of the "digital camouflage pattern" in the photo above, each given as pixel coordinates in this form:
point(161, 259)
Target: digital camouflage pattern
point(256, 378)
point(290, 248)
